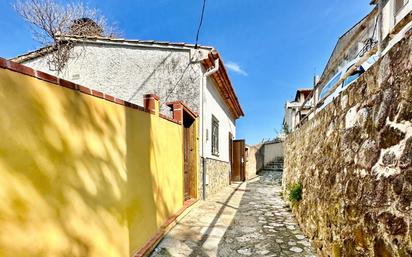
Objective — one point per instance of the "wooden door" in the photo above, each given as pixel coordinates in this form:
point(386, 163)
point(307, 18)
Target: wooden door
point(230, 156)
point(186, 163)
point(239, 161)
point(189, 152)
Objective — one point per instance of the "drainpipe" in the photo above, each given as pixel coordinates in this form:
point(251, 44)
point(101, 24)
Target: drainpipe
point(208, 73)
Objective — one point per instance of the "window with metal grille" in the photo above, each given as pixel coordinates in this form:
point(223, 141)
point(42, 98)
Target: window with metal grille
point(215, 136)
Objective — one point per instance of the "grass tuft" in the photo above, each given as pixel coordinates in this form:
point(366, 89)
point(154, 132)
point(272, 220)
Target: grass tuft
point(295, 193)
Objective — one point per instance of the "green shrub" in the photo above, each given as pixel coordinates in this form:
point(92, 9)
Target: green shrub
point(295, 192)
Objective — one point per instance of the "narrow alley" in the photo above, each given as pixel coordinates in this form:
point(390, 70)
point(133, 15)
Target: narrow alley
point(248, 219)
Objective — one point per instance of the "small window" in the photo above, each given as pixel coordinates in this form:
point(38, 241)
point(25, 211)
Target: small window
point(215, 136)
point(329, 86)
point(354, 75)
point(399, 4)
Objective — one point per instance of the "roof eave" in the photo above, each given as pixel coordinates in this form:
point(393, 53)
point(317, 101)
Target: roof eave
point(302, 90)
point(224, 84)
point(32, 55)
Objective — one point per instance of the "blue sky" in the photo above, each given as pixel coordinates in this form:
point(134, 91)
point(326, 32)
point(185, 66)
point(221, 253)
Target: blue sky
point(272, 47)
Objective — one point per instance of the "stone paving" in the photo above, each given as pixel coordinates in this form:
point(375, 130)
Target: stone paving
point(248, 219)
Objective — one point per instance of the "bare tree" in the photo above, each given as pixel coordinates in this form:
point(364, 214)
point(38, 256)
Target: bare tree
point(52, 24)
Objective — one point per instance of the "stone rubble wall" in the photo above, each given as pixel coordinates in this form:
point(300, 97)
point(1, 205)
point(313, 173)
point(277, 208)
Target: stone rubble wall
point(200, 179)
point(354, 160)
point(218, 176)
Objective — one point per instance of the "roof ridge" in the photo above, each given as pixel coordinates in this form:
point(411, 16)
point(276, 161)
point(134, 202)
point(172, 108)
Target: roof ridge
point(98, 39)
point(119, 39)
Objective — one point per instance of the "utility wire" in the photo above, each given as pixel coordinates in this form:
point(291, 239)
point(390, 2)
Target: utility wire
point(196, 46)
point(200, 24)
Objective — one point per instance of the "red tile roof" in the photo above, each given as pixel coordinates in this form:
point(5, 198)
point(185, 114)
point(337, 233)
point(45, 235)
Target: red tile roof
point(223, 83)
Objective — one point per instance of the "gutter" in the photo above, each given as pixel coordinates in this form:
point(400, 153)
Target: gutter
point(208, 73)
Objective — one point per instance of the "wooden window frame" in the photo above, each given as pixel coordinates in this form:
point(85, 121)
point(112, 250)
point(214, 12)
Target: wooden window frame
point(215, 136)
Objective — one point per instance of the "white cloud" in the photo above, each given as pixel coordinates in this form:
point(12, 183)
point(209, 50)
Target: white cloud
point(235, 68)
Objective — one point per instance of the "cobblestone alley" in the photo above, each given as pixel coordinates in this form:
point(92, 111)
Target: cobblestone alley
point(248, 219)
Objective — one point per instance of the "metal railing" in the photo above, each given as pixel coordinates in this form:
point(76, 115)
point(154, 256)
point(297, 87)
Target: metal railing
point(319, 104)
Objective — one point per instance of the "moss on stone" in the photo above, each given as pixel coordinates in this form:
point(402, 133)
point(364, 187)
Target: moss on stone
point(295, 192)
point(336, 250)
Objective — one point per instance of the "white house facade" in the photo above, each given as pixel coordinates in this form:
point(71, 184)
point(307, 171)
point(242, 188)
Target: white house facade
point(381, 29)
point(128, 69)
point(395, 19)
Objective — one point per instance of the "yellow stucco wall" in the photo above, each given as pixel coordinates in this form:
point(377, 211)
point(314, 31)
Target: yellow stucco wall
point(79, 175)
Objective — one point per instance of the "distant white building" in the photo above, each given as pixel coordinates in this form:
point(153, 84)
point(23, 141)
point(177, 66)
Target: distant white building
point(383, 27)
point(291, 119)
point(128, 69)
point(354, 42)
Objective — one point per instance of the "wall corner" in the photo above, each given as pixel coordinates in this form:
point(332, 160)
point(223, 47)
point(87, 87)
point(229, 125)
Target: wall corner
point(151, 103)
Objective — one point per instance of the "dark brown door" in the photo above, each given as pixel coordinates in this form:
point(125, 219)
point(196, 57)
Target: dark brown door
point(239, 161)
point(189, 158)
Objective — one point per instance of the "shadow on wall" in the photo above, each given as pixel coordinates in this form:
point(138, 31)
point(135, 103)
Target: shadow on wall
point(159, 67)
point(259, 158)
point(62, 173)
point(78, 172)
point(138, 161)
point(153, 189)
point(172, 78)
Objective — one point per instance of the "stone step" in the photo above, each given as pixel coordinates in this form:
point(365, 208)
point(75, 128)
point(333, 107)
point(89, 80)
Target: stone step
point(275, 162)
point(274, 166)
point(273, 170)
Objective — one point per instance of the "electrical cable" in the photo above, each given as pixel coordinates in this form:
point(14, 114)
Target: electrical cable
point(188, 65)
point(200, 24)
